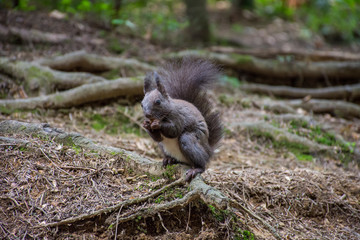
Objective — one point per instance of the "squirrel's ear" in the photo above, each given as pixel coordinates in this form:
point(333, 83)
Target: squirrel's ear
point(149, 83)
point(160, 85)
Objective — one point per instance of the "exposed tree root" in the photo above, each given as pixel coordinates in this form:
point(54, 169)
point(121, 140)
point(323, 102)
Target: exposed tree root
point(347, 92)
point(312, 55)
point(83, 94)
point(87, 62)
point(284, 137)
point(137, 163)
point(310, 122)
point(44, 80)
point(280, 69)
point(36, 36)
point(337, 108)
point(13, 142)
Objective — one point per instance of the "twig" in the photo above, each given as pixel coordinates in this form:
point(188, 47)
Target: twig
point(117, 223)
point(187, 224)
point(112, 208)
point(132, 119)
point(55, 163)
point(145, 212)
point(254, 215)
point(97, 190)
point(162, 222)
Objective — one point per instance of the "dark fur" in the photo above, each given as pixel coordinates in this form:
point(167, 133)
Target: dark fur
point(176, 106)
point(188, 79)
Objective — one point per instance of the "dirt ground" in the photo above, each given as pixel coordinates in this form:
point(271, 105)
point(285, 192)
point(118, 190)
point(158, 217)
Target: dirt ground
point(47, 181)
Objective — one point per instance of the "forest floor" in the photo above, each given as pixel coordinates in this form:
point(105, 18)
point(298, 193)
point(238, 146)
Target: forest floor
point(301, 195)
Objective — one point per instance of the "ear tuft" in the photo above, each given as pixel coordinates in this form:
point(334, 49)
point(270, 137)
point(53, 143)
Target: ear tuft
point(160, 85)
point(149, 83)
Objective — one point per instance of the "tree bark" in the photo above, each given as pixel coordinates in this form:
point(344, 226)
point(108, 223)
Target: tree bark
point(280, 68)
point(347, 92)
point(79, 95)
point(87, 62)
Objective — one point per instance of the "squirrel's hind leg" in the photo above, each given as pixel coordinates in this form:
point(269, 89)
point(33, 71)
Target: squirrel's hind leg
point(194, 150)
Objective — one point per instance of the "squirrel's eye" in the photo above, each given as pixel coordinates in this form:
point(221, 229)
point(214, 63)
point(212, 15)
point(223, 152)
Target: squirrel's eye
point(157, 101)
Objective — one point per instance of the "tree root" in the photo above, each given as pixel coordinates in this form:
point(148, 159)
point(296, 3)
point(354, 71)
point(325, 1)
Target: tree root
point(280, 69)
point(43, 79)
point(338, 108)
point(283, 137)
point(348, 92)
point(335, 107)
point(312, 55)
point(36, 36)
point(80, 95)
point(86, 62)
point(7, 141)
point(138, 164)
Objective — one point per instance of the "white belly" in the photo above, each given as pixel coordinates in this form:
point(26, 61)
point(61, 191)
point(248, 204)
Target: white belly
point(171, 147)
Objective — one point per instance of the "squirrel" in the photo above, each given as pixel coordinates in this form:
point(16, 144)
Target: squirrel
point(180, 116)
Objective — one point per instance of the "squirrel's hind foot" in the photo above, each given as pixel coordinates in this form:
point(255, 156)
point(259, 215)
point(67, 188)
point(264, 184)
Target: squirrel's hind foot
point(191, 173)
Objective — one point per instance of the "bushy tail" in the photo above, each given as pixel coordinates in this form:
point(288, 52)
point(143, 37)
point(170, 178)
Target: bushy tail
point(188, 79)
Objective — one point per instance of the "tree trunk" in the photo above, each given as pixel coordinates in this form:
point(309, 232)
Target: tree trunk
point(117, 7)
point(196, 12)
point(243, 4)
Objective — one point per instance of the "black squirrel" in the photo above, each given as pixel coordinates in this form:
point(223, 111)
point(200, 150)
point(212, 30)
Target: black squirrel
point(180, 116)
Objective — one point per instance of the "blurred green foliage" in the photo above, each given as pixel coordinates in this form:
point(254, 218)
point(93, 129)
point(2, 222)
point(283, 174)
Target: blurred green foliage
point(165, 20)
point(334, 19)
point(156, 19)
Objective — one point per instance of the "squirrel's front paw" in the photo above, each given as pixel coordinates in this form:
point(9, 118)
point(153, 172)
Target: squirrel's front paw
point(167, 160)
point(147, 124)
point(155, 124)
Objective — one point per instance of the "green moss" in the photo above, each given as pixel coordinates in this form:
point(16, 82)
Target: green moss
point(43, 78)
point(77, 149)
point(23, 149)
point(98, 122)
point(246, 103)
point(218, 214)
point(227, 100)
point(227, 132)
point(241, 59)
point(231, 81)
point(113, 153)
point(282, 142)
point(136, 79)
point(115, 46)
point(304, 157)
point(59, 98)
point(170, 172)
point(6, 111)
point(160, 199)
point(244, 235)
point(112, 74)
point(296, 124)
